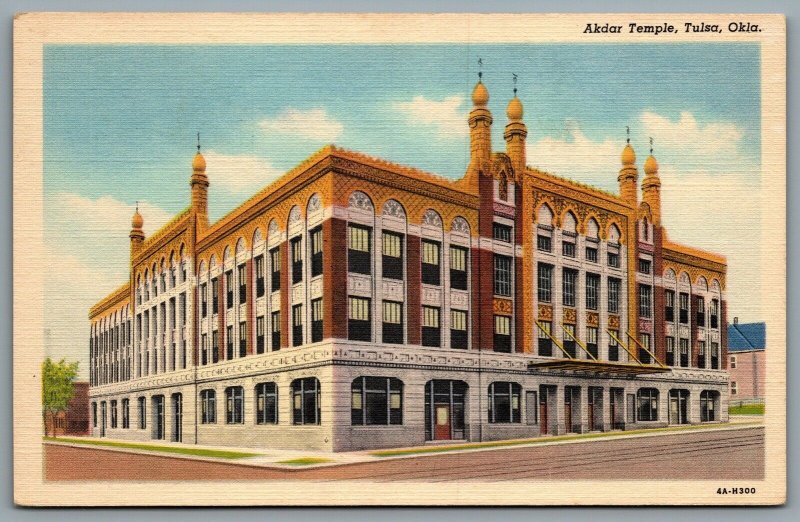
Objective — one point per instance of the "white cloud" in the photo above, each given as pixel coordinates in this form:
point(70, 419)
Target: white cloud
point(313, 124)
point(239, 173)
point(446, 116)
point(688, 135)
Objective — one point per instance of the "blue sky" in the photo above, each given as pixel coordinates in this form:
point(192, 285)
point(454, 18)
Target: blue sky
point(120, 124)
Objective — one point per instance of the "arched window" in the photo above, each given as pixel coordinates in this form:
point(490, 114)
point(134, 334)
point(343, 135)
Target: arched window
point(545, 216)
point(394, 208)
point(266, 403)
point(306, 401)
point(361, 201)
point(208, 407)
point(504, 402)
point(376, 401)
point(614, 234)
point(432, 218)
point(647, 399)
point(234, 405)
point(709, 406)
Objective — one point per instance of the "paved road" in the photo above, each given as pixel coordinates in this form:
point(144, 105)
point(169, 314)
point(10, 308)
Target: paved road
point(734, 454)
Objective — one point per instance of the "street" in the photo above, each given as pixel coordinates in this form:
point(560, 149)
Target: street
point(733, 454)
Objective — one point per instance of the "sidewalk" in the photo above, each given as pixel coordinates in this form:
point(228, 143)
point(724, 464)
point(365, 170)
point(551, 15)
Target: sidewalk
point(301, 459)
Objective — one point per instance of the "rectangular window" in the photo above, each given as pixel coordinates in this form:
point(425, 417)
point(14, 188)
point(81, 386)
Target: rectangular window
point(392, 255)
point(645, 266)
point(203, 349)
point(645, 301)
point(297, 259)
point(431, 329)
point(458, 329)
point(613, 345)
point(715, 356)
point(113, 414)
point(504, 403)
point(215, 346)
point(568, 248)
point(260, 288)
point(684, 307)
point(701, 312)
point(568, 286)
point(182, 304)
point(613, 259)
point(431, 271)
point(684, 347)
point(714, 313)
point(267, 403)
point(275, 268)
point(204, 300)
point(614, 286)
point(545, 283)
point(229, 289)
point(670, 351)
point(502, 333)
point(591, 341)
point(142, 413)
point(502, 275)
point(648, 404)
point(243, 339)
point(734, 388)
point(359, 324)
point(317, 320)
point(544, 243)
point(592, 291)
point(376, 401)
point(501, 232)
point(126, 414)
point(733, 362)
point(306, 401)
point(359, 252)
point(591, 254)
point(644, 341)
point(701, 354)
point(569, 339)
point(297, 325)
point(260, 334)
point(242, 276)
point(229, 343)
point(275, 331)
point(545, 343)
point(208, 407)
point(234, 405)
point(392, 322)
point(214, 296)
point(458, 268)
point(669, 305)
point(315, 236)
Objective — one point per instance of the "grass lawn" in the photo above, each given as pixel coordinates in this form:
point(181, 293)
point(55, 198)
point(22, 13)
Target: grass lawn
point(538, 440)
point(746, 409)
point(197, 452)
point(304, 461)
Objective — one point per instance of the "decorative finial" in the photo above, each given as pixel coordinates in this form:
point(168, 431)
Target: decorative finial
point(198, 142)
point(480, 68)
point(137, 205)
point(627, 134)
point(651, 145)
point(514, 76)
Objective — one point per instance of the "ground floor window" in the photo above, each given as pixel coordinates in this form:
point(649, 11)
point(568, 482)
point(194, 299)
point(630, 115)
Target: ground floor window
point(208, 407)
point(113, 414)
point(142, 413)
point(545, 342)
point(648, 404)
point(234, 405)
point(94, 414)
point(267, 403)
point(445, 406)
point(709, 405)
point(504, 402)
point(306, 401)
point(376, 401)
point(126, 417)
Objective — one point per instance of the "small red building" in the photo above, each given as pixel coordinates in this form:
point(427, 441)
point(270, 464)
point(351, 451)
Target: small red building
point(75, 420)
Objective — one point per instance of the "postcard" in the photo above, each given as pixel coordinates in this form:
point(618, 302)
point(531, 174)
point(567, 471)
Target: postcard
point(467, 259)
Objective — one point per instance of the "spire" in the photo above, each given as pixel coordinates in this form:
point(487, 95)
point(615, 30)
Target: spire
point(199, 184)
point(515, 133)
point(651, 186)
point(628, 174)
point(137, 234)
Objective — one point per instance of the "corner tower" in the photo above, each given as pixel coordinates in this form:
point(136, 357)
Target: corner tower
point(199, 184)
point(628, 175)
point(137, 234)
point(480, 136)
point(515, 135)
point(651, 187)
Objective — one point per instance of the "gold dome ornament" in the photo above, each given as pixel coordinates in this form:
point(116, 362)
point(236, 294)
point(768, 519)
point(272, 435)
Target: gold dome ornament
point(628, 156)
point(199, 162)
point(480, 95)
point(137, 221)
point(650, 166)
point(514, 110)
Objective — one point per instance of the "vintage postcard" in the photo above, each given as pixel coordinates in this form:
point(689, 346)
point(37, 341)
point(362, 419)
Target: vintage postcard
point(473, 259)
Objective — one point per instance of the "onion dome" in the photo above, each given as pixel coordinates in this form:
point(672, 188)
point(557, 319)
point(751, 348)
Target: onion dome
point(480, 95)
point(199, 162)
point(628, 156)
point(137, 221)
point(514, 110)
point(650, 166)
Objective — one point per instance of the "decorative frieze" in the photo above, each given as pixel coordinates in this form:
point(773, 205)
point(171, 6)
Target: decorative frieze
point(545, 312)
point(613, 322)
point(459, 298)
point(431, 296)
point(392, 290)
point(502, 306)
point(360, 285)
point(570, 316)
point(593, 319)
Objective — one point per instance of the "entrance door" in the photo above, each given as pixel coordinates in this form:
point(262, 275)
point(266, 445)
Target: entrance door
point(590, 405)
point(678, 406)
point(442, 422)
point(568, 410)
point(177, 417)
point(544, 422)
point(103, 419)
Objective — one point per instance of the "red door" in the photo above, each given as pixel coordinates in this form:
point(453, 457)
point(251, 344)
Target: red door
point(442, 412)
point(613, 413)
point(543, 413)
point(590, 404)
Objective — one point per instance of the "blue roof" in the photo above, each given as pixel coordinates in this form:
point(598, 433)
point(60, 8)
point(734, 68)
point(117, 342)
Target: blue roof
point(747, 336)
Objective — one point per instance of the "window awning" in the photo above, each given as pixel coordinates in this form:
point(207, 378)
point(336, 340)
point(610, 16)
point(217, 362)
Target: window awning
point(599, 367)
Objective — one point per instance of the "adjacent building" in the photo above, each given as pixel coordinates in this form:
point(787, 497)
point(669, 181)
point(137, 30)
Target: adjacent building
point(747, 361)
point(75, 419)
point(357, 303)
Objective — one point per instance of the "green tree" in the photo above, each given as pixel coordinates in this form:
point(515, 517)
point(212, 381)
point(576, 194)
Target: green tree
point(57, 387)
